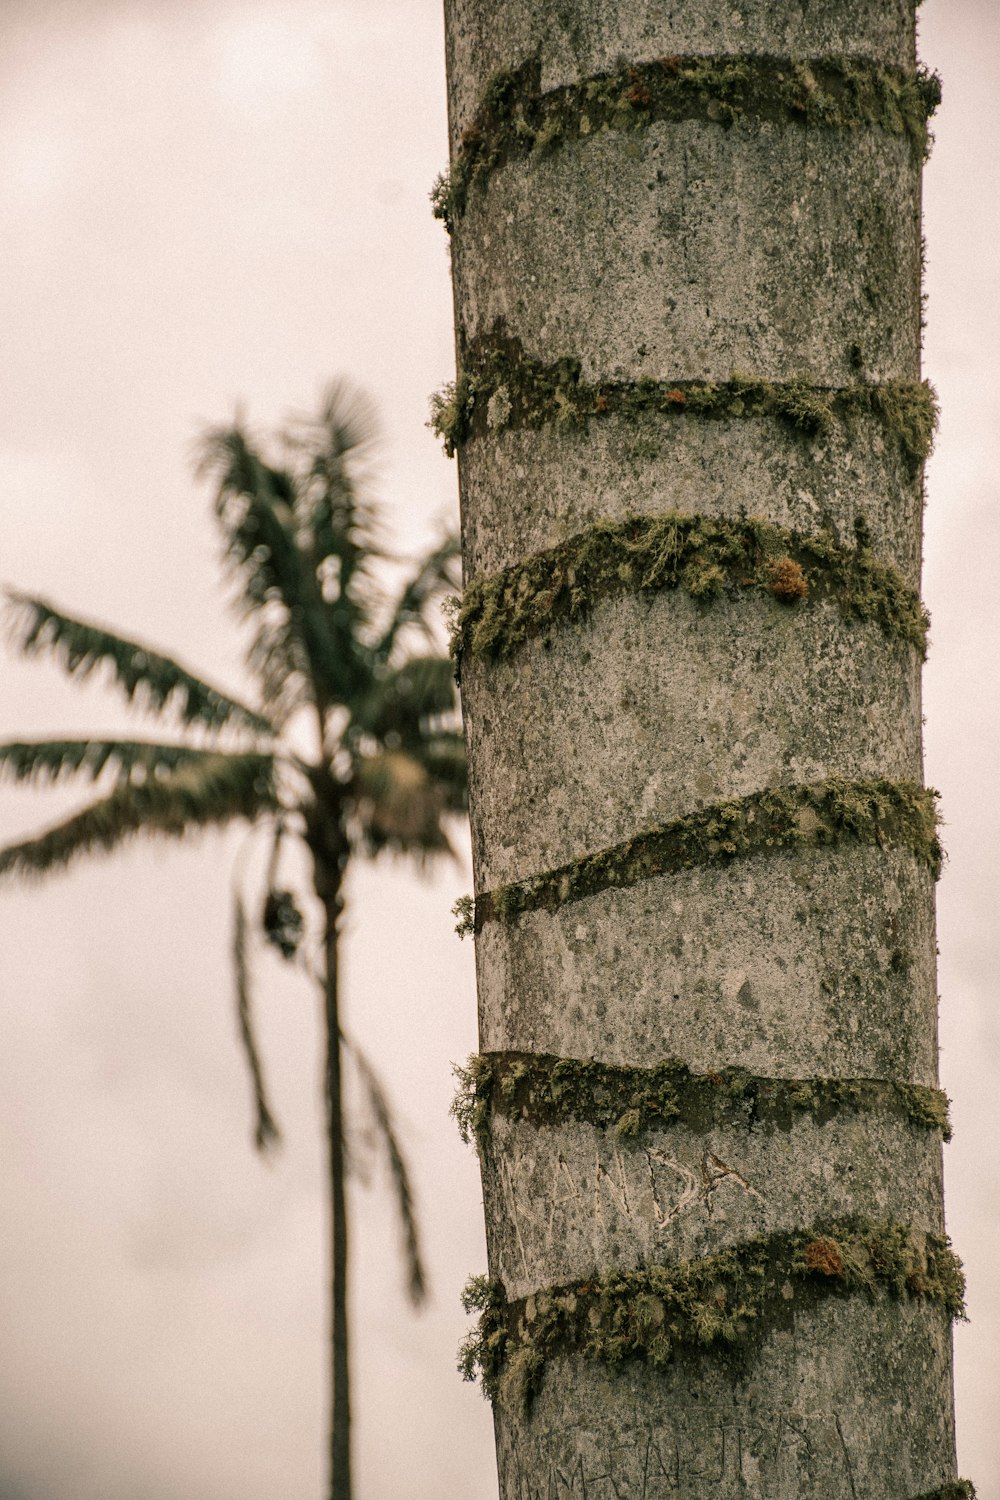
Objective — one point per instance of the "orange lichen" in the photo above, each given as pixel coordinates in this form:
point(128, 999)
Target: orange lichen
point(787, 581)
point(824, 1255)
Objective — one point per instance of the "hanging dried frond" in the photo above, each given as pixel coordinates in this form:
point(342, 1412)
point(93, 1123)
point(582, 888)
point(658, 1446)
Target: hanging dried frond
point(266, 1132)
point(382, 1118)
point(153, 681)
point(211, 788)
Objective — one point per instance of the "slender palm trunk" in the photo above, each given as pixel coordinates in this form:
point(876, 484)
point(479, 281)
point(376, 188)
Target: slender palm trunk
point(340, 1418)
point(686, 252)
point(328, 844)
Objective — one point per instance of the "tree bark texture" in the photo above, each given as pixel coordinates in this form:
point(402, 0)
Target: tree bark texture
point(639, 252)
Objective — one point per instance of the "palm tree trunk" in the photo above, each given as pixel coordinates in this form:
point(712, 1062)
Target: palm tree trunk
point(686, 253)
point(330, 849)
point(340, 1418)
point(339, 1367)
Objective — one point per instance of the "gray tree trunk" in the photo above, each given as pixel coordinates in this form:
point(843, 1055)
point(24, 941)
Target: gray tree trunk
point(686, 249)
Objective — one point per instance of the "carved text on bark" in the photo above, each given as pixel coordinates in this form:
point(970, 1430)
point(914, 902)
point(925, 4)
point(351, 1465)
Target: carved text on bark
point(776, 1449)
point(648, 1185)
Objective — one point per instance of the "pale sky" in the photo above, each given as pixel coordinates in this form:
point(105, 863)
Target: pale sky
point(212, 201)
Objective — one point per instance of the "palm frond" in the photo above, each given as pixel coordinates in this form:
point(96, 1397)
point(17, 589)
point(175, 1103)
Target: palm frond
point(382, 1118)
point(266, 1132)
point(53, 760)
point(398, 807)
point(443, 758)
point(337, 523)
point(334, 447)
point(439, 575)
point(155, 681)
point(296, 652)
point(213, 788)
point(407, 703)
point(253, 504)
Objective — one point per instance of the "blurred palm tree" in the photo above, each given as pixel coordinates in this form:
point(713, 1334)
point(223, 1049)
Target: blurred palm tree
point(337, 660)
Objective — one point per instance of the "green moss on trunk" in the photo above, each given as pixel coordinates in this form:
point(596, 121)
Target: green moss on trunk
point(515, 119)
point(717, 1302)
point(824, 813)
point(502, 386)
point(708, 559)
point(546, 1090)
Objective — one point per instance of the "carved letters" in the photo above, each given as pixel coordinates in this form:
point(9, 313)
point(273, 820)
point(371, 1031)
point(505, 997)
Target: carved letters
point(769, 1452)
point(648, 1188)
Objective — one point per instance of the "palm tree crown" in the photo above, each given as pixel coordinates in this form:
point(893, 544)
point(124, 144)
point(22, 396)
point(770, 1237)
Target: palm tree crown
point(331, 648)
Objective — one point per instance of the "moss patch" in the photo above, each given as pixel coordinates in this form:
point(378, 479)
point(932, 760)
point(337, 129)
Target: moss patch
point(959, 1489)
point(502, 386)
point(464, 911)
point(719, 1301)
point(709, 559)
point(547, 1090)
point(515, 119)
point(885, 813)
point(452, 410)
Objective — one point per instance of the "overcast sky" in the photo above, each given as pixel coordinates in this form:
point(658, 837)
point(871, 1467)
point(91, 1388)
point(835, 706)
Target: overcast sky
point(212, 201)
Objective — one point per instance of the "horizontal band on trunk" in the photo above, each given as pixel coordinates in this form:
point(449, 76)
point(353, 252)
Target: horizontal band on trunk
point(516, 119)
point(545, 1090)
point(721, 1301)
point(501, 386)
point(707, 558)
point(824, 813)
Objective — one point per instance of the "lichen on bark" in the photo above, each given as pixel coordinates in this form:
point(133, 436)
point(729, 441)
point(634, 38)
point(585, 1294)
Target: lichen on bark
point(824, 813)
point(723, 1302)
point(960, 1489)
point(534, 394)
point(545, 1090)
point(706, 557)
point(515, 118)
